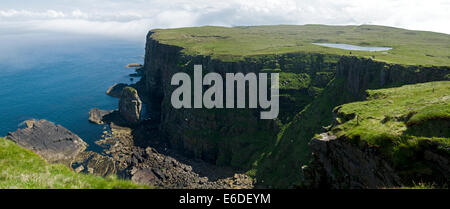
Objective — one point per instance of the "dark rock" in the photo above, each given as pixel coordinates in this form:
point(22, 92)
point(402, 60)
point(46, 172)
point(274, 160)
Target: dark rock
point(339, 164)
point(94, 163)
point(130, 105)
point(116, 90)
point(53, 142)
point(96, 115)
point(145, 175)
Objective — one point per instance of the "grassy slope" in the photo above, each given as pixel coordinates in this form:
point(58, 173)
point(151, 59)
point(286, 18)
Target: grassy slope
point(392, 111)
point(399, 121)
point(23, 169)
point(409, 47)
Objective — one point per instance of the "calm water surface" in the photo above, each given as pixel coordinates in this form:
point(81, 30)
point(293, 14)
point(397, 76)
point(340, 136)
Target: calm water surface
point(354, 47)
point(60, 77)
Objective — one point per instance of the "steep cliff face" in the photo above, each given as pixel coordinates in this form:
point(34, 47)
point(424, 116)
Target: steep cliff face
point(311, 85)
point(339, 164)
point(362, 74)
point(192, 131)
point(234, 137)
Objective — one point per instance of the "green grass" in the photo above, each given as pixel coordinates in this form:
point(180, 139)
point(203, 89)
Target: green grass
point(294, 81)
point(229, 44)
point(402, 123)
point(392, 111)
point(23, 169)
point(432, 112)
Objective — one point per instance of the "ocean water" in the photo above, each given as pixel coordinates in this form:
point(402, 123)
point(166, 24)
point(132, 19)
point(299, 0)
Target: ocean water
point(60, 77)
point(354, 47)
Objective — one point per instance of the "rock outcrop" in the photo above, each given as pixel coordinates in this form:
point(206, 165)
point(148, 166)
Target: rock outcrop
point(155, 169)
point(53, 142)
point(94, 163)
point(130, 105)
point(338, 164)
point(116, 90)
point(96, 115)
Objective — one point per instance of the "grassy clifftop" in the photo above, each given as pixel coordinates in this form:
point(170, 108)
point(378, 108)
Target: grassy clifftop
point(406, 124)
point(408, 47)
point(23, 169)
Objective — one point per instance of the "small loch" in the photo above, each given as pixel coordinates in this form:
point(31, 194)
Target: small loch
point(354, 47)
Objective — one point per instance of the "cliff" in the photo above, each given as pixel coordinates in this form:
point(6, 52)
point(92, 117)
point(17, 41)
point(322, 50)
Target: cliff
point(312, 83)
point(200, 132)
point(397, 136)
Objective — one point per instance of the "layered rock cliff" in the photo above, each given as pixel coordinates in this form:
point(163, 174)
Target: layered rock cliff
point(272, 150)
point(229, 137)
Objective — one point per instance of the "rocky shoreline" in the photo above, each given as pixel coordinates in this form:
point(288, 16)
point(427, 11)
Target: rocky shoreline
point(132, 149)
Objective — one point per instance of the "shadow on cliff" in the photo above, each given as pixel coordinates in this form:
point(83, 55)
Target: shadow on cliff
point(147, 134)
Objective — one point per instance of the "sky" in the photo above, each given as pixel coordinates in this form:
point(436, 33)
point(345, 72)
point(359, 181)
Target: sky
point(131, 19)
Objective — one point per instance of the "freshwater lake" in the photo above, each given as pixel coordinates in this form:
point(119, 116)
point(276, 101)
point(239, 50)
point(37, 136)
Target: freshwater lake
point(354, 47)
point(60, 77)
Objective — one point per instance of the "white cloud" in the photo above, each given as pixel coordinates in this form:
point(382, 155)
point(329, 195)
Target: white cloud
point(26, 14)
point(134, 18)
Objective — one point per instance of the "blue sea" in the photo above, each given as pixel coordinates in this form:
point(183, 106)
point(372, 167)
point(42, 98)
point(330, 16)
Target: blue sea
point(60, 77)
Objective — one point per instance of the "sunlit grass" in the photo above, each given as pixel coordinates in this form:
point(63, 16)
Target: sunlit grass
point(23, 169)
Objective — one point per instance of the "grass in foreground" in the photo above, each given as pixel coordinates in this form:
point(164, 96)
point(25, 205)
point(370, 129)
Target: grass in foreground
point(23, 169)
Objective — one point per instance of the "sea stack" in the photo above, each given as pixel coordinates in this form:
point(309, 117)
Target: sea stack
point(130, 105)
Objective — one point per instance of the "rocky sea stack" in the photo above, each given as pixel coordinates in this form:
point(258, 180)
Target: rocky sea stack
point(130, 105)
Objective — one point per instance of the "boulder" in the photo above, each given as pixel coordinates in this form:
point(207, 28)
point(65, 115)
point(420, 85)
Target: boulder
point(130, 105)
point(96, 115)
point(52, 142)
point(116, 90)
point(94, 163)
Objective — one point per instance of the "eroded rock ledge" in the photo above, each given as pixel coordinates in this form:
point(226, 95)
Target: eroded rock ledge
point(53, 142)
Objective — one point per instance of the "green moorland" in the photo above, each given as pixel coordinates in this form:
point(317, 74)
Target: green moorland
point(228, 44)
point(23, 169)
point(401, 122)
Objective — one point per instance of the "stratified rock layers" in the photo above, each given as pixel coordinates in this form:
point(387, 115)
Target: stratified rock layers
point(53, 142)
point(339, 164)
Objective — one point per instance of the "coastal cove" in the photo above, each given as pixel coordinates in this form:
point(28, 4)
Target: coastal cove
point(60, 78)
